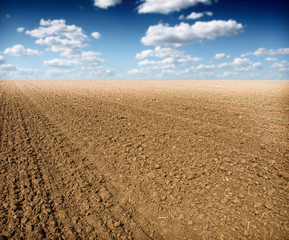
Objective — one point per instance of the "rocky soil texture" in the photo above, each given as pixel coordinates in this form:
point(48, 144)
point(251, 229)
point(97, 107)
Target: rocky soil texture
point(144, 160)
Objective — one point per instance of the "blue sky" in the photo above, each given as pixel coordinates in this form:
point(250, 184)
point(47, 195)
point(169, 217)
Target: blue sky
point(144, 39)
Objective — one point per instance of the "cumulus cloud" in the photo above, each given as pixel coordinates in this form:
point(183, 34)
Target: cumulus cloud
point(7, 67)
point(261, 52)
point(164, 35)
point(69, 41)
point(66, 47)
point(20, 29)
point(89, 58)
point(200, 68)
point(52, 72)
point(9, 71)
point(2, 59)
point(195, 15)
point(283, 66)
point(219, 56)
point(19, 50)
point(98, 71)
point(205, 67)
point(160, 52)
point(106, 3)
point(168, 6)
point(60, 63)
point(170, 58)
point(57, 27)
point(269, 59)
point(96, 35)
point(241, 64)
point(27, 71)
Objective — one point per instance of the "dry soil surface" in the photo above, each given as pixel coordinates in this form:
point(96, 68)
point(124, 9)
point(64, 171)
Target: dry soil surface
point(144, 160)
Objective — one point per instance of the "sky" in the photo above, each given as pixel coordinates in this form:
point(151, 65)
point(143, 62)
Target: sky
point(144, 39)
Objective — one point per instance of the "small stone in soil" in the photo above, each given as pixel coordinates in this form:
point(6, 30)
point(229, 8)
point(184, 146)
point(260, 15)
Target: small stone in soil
point(157, 166)
point(117, 224)
point(269, 205)
point(190, 222)
point(257, 205)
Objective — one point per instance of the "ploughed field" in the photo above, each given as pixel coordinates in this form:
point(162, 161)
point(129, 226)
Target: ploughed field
point(144, 160)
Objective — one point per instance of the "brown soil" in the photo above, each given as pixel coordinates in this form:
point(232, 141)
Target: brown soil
point(144, 160)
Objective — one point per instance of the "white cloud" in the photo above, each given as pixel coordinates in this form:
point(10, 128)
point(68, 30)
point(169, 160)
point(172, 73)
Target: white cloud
point(135, 71)
point(219, 56)
point(8, 16)
point(160, 52)
point(205, 67)
point(96, 35)
point(2, 59)
point(20, 29)
point(89, 58)
point(228, 74)
point(57, 27)
point(208, 13)
point(69, 41)
point(66, 47)
point(224, 65)
point(27, 71)
point(164, 35)
point(7, 67)
point(19, 50)
point(60, 63)
point(98, 71)
point(283, 66)
point(200, 68)
point(195, 15)
point(267, 52)
point(170, 59)
point(106, 3)
point(269, 59)
point(168, 6)
point(52, 72)
point(163, 64)
point(241, 64)
point(9, 71)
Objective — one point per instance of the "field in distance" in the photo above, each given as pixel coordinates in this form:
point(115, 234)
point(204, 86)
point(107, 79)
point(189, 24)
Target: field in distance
point(144, 159)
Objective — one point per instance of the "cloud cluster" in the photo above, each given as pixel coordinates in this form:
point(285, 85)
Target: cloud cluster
point(164, 35)
point(241, 64)
point(9, 71)
point(168, 6)
point(170, 58)
point(106, 3)
point(57, 27)
point(69, 41)
point(283, 66)
point(261, 52)
point(19, 50)
point(7, 67)
point(60, 63)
